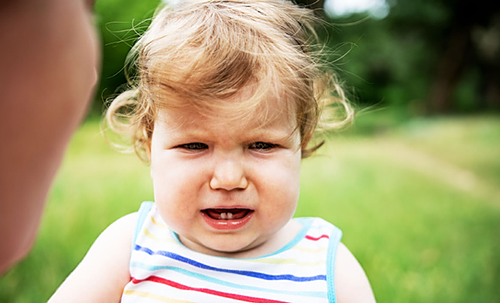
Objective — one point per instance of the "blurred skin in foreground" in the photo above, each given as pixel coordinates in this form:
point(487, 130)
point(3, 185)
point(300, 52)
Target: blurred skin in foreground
point(49, 58)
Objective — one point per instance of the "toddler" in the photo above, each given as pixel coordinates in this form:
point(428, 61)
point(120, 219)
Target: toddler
point(227, 97)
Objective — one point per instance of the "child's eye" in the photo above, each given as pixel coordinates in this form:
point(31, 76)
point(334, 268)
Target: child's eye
point(262, 146)
point(194, 146)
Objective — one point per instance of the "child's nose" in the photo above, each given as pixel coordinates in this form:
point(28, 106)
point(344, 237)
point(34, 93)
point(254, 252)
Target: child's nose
point(229, 174)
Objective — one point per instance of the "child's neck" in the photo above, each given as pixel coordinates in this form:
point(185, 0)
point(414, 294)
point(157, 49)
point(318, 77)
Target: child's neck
point(273, 244)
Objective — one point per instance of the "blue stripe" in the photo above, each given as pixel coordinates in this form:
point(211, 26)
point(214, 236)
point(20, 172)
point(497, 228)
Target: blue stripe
point(316, 294)
point(232, 271)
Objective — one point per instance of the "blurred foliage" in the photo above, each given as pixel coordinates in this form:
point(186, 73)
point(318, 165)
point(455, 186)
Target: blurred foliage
point(426, 56)
point(120, 24)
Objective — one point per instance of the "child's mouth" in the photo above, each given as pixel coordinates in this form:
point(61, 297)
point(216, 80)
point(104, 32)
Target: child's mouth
point(227, 214)
point(227, 219)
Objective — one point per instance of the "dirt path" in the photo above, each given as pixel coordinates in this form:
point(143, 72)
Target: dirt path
point(437, 168)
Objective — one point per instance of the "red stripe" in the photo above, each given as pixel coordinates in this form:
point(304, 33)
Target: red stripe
point(205, 290)
point(316, 239)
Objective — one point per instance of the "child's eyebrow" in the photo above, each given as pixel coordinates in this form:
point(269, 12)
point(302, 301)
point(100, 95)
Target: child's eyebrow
point(272, 133)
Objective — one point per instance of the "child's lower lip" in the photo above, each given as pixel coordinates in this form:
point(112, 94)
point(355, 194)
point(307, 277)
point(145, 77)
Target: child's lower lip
point(227, 224)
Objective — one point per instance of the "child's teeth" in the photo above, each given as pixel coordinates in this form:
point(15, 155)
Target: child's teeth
point(225, 216)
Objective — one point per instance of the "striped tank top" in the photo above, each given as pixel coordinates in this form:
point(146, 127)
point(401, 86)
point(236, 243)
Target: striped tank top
point(163, 270)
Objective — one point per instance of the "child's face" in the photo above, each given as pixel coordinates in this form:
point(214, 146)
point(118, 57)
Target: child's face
point(224, 186)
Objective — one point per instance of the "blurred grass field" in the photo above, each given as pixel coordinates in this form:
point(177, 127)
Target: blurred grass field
point(418, 202)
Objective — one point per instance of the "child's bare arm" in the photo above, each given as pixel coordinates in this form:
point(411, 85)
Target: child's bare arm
point(351, 282)
point(103, 273)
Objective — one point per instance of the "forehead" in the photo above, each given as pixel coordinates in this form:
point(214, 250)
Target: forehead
point(245, 109)
point(188, 120)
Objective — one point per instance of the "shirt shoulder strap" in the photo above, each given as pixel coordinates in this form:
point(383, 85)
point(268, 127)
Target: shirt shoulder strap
point(335, 237)
point(142, 214)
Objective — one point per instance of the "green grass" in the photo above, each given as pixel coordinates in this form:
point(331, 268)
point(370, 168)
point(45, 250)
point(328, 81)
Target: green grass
point(419, 205)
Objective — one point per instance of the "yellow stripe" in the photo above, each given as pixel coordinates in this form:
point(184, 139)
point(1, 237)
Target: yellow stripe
point(150, 235)
point(151, 296)
point(307, 250)
point(159, 224)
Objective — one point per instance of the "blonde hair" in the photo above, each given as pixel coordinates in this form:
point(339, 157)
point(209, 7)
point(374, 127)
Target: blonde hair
point(200, 53)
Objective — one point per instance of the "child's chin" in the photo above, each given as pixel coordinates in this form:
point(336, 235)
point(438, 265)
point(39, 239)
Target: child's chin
point(233, 245)
point(228, 250)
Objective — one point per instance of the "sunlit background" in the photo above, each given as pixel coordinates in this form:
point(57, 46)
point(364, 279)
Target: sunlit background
point(414, 182)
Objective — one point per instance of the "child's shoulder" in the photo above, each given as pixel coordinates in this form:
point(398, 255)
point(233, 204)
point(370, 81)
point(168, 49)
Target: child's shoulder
point(111, 251)
point(124, 225)
point(351, 282)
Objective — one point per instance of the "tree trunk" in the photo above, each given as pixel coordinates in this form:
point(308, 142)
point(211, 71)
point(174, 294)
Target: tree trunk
point(450, 67)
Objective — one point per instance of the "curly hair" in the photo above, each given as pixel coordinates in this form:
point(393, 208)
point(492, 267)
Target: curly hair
point(200, 53)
